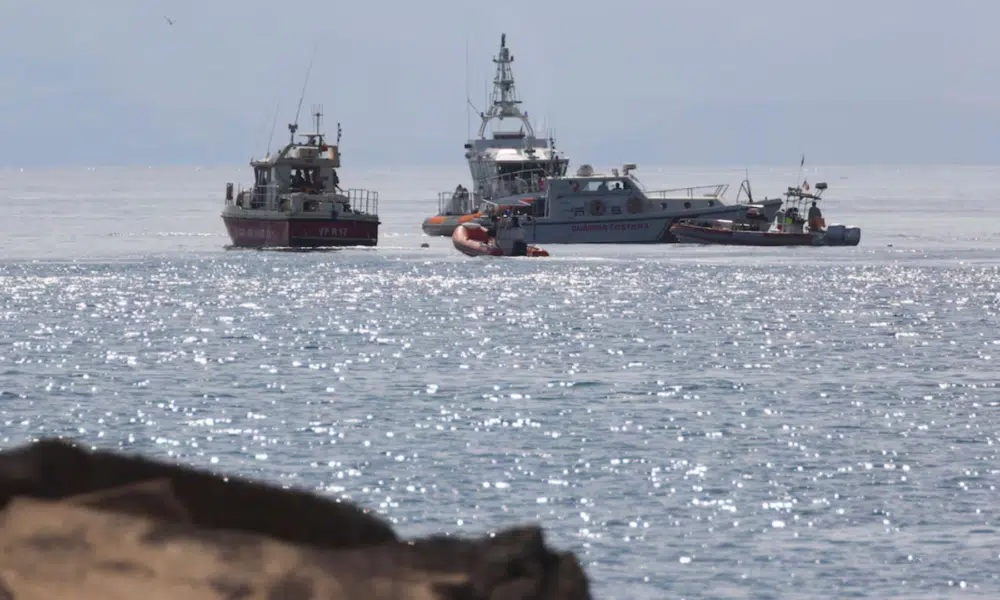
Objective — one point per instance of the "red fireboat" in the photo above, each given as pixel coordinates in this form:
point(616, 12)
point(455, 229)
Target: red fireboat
point(296, 200)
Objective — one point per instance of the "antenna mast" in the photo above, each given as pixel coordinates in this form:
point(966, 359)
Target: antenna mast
point(505, 100)
point(318, 120)
point(293, 127)
point(468, 100)
point(274, 123)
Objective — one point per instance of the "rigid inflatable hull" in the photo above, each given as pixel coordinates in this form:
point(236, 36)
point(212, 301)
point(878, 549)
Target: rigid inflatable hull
point(444, 225)
point(693, 234)
point(474, 240)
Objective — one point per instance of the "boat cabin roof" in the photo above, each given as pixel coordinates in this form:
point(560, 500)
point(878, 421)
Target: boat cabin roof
point(797, 194)
point(522, 155)
point(592, 182)
point(312, 154)
point(509, 135)
point(517, 207)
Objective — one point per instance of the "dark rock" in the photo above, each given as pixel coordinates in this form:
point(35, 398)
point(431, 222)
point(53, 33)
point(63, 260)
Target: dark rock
point(154, 498)
point(54, 470)
point(100, 525)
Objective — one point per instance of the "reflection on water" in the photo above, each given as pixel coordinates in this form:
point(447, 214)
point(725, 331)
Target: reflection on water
point(693, 421)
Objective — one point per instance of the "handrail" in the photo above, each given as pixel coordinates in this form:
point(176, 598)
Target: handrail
point(525, 181)
point(450, 203)
point(360, 201)
point(363, 201)
point(718, 191)
point(259, 195)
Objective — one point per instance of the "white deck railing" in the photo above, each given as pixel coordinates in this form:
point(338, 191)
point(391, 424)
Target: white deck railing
point(713, 192)
point(363, 201)
point(265, 198)
point(526, 181)
point(452, 203)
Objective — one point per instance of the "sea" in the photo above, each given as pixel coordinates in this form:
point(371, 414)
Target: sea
point(691, 421)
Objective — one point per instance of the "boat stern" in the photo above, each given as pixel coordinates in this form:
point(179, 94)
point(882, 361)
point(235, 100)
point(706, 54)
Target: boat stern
point(842, 235)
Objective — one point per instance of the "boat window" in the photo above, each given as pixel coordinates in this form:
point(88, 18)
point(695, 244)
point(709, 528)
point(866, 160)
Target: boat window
point(598, 185)
point(262, 176)
point(526, 169)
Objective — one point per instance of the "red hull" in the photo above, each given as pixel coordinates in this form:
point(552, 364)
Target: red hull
point(300, 233)
point(694, 234)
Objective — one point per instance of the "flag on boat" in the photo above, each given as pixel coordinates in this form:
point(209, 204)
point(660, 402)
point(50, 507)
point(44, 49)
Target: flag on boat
point(805, 185)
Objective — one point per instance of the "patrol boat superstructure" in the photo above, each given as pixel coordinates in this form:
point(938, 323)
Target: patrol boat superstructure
point(595, 208)
point(497, 163)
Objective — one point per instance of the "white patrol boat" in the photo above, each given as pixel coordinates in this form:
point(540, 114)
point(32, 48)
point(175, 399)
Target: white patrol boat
point(497, 163)
point(593, 208)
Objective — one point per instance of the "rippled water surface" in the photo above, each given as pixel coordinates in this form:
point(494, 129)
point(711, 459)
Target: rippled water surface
point(693, 422)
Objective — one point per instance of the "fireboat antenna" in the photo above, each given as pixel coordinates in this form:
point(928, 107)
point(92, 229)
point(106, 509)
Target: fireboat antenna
point(292, 127)
point(274, 123)
point(468, 100)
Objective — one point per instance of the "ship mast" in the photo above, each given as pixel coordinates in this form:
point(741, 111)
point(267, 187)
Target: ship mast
point(505, 101)
point(318, 120)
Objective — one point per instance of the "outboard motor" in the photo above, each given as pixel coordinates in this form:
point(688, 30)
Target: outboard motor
point(835, 235)
point(519, 248)
point(852, 236)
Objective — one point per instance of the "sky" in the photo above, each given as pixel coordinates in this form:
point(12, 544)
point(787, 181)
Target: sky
point(685, 82)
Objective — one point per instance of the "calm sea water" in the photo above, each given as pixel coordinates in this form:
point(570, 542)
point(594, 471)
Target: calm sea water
point(694, 422)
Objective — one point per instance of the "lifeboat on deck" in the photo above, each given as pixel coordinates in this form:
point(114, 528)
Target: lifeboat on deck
point(473, 239)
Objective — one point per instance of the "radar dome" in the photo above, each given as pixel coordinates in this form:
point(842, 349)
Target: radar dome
point(585, 171)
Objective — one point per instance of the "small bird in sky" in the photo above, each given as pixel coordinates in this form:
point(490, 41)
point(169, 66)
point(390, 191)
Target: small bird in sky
point(168, 19)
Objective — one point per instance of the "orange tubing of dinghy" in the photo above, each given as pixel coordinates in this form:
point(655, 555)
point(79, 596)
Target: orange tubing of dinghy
point(474, 240)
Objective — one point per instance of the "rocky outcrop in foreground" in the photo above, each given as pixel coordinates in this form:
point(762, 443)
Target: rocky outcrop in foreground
point(105, 526)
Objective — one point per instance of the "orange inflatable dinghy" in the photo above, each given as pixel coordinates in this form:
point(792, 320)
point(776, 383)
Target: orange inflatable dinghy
point(474, 240)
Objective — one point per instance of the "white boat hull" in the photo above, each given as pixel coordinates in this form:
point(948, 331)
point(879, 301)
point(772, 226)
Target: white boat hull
point(626, 229)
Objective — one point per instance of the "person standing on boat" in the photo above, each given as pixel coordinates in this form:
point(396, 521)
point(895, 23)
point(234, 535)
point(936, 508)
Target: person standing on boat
point(815, 218)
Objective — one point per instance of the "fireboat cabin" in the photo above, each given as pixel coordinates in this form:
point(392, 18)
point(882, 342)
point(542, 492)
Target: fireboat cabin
point(296, 200)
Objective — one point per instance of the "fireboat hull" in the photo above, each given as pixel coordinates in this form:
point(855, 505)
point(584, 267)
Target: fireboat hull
point(444, 225)
point(300, 233)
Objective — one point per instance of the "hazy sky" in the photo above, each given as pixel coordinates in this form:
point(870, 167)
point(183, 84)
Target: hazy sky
point(708, 82)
